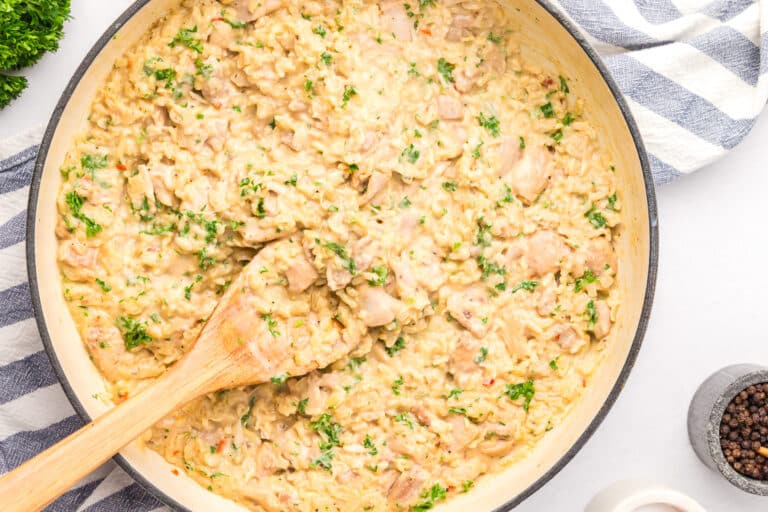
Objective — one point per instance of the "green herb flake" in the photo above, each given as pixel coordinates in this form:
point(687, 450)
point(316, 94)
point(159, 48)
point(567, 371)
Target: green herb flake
point(340, 251)
point(396, 347)
point(454, 393)
point(482, 355)
point(547, 110)
point(590, 312)
point(449, 186)
point(397, 384)
point(412, 71)
point(595, 217)
point(568, 119)
point(279, 379)
point(103, 285)
point(301, 406)
point(528, 286)
point(410, 153)
point(522, 142)
point(488, 267)
point(328, 430)
point(271, 324)
point(587, 278)
point(526, 390)
point(349, 91)
point(326, 58)
point(185, 37)
point(381, 276)
point(320, 30)
point(75, 202)
point(490, 123)
point(134, 332)
point(245, 417)
point(553, 364)
point(429, 497)
point(466, 485)
point(494, 39)
point(369, 445)
point(404, 417)
point(445, 69)
point(564, 85)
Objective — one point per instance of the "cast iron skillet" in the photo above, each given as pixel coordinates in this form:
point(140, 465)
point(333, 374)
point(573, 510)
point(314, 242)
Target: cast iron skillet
point(554, 38)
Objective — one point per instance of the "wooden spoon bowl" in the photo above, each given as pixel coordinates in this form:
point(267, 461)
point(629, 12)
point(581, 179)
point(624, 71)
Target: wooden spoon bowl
point(259, 330)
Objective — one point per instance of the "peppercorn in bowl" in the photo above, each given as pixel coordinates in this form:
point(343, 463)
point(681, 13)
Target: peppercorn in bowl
point(462, 174)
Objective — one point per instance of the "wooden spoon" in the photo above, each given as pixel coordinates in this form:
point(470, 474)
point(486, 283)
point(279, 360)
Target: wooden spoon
point(258, 330)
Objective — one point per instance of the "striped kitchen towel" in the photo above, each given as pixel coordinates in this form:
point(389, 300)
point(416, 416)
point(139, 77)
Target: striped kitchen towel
point(694, 74)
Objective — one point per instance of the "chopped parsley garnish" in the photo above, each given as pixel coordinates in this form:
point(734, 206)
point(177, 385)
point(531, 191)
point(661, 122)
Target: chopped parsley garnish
point(461, 411)
point(410, 153)
point(320, 30)
point(261, 212)
point(272, 123)
point(466, 485)
point(340, 251)
point(328, 430)
point(488, 267)
point(234, 23)
point(547, 110)
point(307, 85)
point(490, 123)
point(405, 203)
point(245, 417)
point(595, 217)
point(279, 379)
point(75, 202)
point(355, 362)
point(368, 445)
point(612, 202)
point(324, 461)
point(134, 332)
point(564, 85)
point(271, 324)
point(203, 69)
point(494, 39)
point(349, 91)
point(445, 69)
point(381, 276)
point(557, 135)
point(204, 261)
point(508, 197)
point(526, 390)
point(166, 75)
point(553, 363)
point(435, 493)
point(528, 286)
point(482, 355)
point(248, 186)
point(293, 180)
point(188, 289)
point(476, 151)
point(454, 393)
point(326, 58)
point(449, 186)
point(587, 278)
point(396, 347)
point(484, 236)
point(301, 406)
point(396, 385)
point(103, 285)
point(591, 313)
point(568, 119)
point(92, 163)
point(412, 71)
point(185, 37)
point(404, 417)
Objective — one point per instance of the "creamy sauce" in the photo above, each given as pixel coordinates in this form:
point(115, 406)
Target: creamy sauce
point(451, 199)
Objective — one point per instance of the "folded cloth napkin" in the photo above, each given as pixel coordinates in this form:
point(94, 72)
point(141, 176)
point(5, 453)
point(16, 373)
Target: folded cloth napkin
point(695, 77)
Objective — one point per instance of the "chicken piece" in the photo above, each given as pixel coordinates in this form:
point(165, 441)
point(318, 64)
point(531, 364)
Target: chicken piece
point(251, 10)
point(337, 277)
point(396, 21)
point(217, 89)
point(462, 363)
point(300, 274)
point(546, 302)
point(139, 187)
point(452, 139)
point(603, 324)
point(493, 59)
point(546, 251)
point(217, 130)
point(567, 338)
point(79, 256)
point(530, 174)
point(319, 388)
point(509, 153)
point(465, 78)
point(377, 307)
point(222, 34)
point(469, 307)
point(253, 234)
point(162, 176)
point(461, 435)
point(600, 257)
point(458, 28)
point(498, 440)
point(449, 108)
point(407, 486)
point(376, 183)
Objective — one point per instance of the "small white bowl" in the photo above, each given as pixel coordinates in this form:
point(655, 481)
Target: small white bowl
point(641, 496)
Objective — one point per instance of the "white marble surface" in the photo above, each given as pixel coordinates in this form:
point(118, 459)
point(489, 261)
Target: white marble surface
point(708, 310)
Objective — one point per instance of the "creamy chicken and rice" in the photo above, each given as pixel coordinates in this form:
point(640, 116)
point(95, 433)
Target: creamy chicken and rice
point(401, 158)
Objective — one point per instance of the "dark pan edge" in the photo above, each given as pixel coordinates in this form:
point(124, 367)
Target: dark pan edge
point(583, 438)
point(653, 257)
point(34, 191)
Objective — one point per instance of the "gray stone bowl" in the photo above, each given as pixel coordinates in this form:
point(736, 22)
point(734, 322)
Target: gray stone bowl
point(706, 412)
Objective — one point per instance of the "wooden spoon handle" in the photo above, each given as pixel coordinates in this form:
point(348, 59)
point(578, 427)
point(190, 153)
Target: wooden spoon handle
point(40, 480)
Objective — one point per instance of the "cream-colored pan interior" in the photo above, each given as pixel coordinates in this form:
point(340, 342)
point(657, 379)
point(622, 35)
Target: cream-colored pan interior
point(549, 44)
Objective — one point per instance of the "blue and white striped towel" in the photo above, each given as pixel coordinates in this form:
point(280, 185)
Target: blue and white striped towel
point(696, 78)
